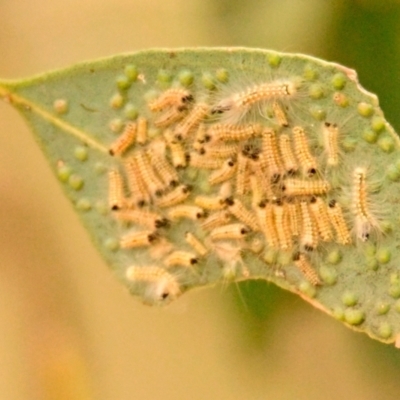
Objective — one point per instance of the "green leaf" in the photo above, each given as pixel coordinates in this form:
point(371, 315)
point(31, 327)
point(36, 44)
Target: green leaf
point(197, 166)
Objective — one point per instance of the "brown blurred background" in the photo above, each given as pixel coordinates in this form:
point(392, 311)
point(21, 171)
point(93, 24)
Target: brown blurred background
point(68, 330)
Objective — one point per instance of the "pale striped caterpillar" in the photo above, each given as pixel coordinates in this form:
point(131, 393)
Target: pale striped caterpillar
point(196, 244)
point(230, 132)
point(138, 189)
point(176, 196)
point(191, 121)
point(143, 218)
point(174, 97)
point(231, 231)
point(223, 174)
point(339, 223)
point(257, 192)
point(279, 114)
point(125, 140)
point(220, 150)
point(237, 105)
point(236, 208)
point(288, 158)
point(115, 190)
point(210, 202)
point(180, 258)
point(241, 174)
point(165, 170)
point(178, 155)
point(330, 133)
point(141, 136)
point(137, 239)
point(186, 211)
point(282, 225)
point(300, 187)
point(266, 220)
point(321, 218)
point(265, 185)
point(294, 216)
point(169, 117)
point(269, 157)
point(153, 183)
point(364, 219)
point(301, 262)
point(161, 285)
point(307, 161)
point(201, 161)
point(309, 234)
point(225, 190)
point(218, 218)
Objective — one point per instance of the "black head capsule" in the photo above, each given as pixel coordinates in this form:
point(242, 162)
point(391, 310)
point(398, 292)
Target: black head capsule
point(246, 150)
point(296, 256)
point(162, 223)
point(244, 231)
point(152, 237)
point(255, 153)
point(311, 172)
point(229, 201)
point(158, 193)
point(308, 247)
point(164, 295)
point(200, 215)
point(251, 152)
point(263, 203)
point(187, 188)
point(220, 109)
point(332, 203)
point(188, 98)
point(182, 108)
point(141, 203)
point(275, 178)
point(254, 157)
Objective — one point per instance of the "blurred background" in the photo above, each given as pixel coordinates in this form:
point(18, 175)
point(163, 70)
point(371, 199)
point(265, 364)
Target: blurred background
point(68, 330)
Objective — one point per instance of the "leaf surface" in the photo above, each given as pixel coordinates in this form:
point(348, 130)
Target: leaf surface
point(192, 167)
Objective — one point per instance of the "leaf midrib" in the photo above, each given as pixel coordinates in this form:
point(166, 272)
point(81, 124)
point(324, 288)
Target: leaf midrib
point(20, 102)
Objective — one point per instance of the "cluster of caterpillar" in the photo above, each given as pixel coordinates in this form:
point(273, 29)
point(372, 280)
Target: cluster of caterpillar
point(262, 182)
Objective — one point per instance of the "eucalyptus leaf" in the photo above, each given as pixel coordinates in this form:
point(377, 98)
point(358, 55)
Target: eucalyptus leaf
point(192, 167)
